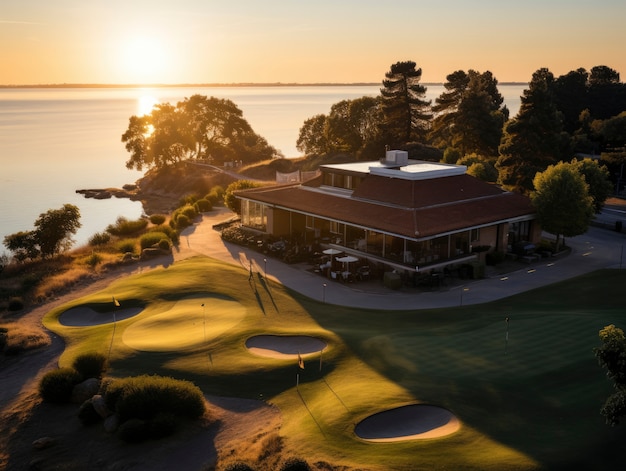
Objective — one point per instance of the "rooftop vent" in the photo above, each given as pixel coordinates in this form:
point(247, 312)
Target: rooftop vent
point(395, 158)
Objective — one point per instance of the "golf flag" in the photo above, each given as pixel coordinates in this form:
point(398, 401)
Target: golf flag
point(300, 362)
point(116, 303)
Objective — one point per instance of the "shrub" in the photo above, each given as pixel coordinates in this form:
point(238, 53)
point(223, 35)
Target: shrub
point(238, 466)
point(171, 233)
point(158, 219)
point(215, 195)
point(134, 431)
point(165, 245)
point(150, 239)
point(203, 205)
point(16, 338)
point(295, 464)
point(15, 304)
point(126, 245)
point(90, 365)
point(493, 258)
point(56, 386)
point(93, 260)
point(182, 221)
point(144, 396)
point(87, 414)
point(189, 210)
point(124, 227)
point(100, 238)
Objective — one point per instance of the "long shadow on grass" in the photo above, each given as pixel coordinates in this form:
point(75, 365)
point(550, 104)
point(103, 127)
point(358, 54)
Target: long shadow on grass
point(266, 287)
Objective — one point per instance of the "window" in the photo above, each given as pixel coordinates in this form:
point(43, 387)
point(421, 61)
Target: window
point(475, 235)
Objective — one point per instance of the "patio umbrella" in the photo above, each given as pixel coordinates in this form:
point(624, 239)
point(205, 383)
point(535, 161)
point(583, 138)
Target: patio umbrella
point(332, 251)
point(347, 259)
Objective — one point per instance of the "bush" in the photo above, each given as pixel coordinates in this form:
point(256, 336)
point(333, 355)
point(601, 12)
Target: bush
point(56, 386)
point(93, 260)
point(182, 221)
point(100, 238)
point(165, 245)
point(171, 233)
point(126, 246)
point(493, 258)
point(295, 464)
point(124, 227)
point(158, 219)
point(150, 239)
point(143, 397)
point(203, 205)
point(238, 466)
point(87, 414)
point(90, 365)
point(15, 304)
point(215, 195)
point(134, 431)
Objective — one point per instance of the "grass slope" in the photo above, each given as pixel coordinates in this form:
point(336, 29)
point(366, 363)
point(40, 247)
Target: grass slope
point(529, 402)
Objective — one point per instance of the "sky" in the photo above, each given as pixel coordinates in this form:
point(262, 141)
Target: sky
point(297, 41)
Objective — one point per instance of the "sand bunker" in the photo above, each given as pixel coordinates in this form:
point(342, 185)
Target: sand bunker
point(284, 346)
point(83, 316)
point(186, 324)
point(417, 421)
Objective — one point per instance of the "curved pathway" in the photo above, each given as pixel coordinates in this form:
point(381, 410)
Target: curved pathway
point(597, 249)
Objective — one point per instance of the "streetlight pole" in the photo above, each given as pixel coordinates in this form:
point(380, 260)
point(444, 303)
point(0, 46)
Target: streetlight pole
point(324, 293)
point(463, 291)
point(265, 268)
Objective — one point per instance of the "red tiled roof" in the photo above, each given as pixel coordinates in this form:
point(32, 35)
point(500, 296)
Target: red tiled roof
point(417, 209)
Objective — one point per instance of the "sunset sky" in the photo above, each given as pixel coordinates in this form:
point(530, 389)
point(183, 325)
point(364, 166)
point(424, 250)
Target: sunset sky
point(317, 41)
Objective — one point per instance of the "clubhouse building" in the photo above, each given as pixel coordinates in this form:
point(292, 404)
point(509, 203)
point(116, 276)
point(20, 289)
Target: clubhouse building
point(404, 214)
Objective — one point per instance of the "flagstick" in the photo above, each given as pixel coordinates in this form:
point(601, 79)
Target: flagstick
point(321, 358)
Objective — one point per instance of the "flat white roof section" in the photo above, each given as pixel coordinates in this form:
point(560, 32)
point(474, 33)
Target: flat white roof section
point(413, 170)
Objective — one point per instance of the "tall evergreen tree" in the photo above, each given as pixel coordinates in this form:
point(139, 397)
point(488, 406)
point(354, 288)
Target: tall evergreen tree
point(470, 115)
point(406, 113)
point(534, 139)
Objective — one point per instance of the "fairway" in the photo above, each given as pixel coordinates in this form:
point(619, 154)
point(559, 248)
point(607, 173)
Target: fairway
point(454, 388)
point(190, 322)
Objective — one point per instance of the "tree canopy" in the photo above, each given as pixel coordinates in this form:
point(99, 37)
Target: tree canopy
point(611, 356)
point(198, 127)
point(53, 233)
point(561, 199)
point(406, 114)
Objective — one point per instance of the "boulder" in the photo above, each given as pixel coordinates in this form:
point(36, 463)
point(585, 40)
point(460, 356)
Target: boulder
point(85, 390)
point(44, 442)
point(100, 406)
point(111, 423)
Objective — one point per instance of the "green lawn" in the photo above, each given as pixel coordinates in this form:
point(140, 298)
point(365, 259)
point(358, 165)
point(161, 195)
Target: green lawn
point(531, 402)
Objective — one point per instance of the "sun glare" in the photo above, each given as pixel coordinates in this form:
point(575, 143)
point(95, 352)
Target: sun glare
point(145, 103)
point(145, 60)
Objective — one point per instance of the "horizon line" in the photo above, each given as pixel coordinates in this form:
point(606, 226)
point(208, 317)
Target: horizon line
point(217, 84)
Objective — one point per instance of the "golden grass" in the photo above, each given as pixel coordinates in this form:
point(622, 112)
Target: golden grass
point(22, 337)
point(60, 282)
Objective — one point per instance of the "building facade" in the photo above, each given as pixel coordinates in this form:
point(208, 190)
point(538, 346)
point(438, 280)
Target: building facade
point(405, 214)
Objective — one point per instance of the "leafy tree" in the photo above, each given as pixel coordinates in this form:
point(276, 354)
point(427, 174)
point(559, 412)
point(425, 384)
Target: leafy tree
point(597, 178)
point(406, 113)
point(196, 128)
point(54, 229)
point(561, 199)
point(607, 95)
point(312, 136)
point(612, 357)
point(23, 245)
point(230, 200)
point(534, 139)
point(350, 124)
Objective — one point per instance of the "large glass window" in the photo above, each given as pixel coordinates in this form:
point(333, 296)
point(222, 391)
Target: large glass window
point(253, 215)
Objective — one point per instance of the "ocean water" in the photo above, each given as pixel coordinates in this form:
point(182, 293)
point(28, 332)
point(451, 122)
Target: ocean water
point(56, 141)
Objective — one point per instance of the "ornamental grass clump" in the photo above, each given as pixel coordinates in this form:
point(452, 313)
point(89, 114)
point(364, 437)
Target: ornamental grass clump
point(151, 239)
point(143, 397)
point(56, 386)
point(90, 365)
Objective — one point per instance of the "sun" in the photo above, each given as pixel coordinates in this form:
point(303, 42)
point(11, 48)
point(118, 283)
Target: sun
point(145, 60)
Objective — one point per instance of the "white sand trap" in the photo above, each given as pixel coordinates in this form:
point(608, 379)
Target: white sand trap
point(417, 421)
point(187, 324)
point(284, 346)
point(83, 316)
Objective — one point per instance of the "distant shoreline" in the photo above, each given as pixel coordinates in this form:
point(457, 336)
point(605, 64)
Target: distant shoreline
point(213, 85)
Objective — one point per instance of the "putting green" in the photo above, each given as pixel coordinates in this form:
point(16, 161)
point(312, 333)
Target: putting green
point(186, 324)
